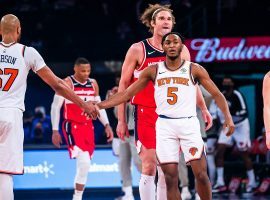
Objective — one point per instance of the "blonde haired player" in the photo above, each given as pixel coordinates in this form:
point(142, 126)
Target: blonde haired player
point(16, 60)
point(160, 20)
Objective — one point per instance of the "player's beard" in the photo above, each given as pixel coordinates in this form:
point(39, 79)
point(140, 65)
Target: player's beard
point(176, 56)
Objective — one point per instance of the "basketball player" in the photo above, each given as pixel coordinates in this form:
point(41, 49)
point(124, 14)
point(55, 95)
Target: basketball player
point(79, 129)
point(15, 62)
point(266, 107)
point(160, 21)
point(177, 124)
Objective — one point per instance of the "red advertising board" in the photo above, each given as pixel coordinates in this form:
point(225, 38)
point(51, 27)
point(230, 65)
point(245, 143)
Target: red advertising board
point(204, 50)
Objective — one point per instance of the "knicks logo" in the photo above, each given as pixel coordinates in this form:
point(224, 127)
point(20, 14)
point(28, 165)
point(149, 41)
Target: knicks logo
point(193, 150)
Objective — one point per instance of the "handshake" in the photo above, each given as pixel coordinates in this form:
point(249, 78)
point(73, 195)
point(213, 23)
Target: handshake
point(91, 109)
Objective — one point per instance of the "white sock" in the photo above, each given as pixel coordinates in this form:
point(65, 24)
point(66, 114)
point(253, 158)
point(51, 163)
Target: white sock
point(251, 177)
point(127, 190)
point(147, 187)
point(220, 173)
point(161, 185)
point(185, 189)
point(6, 187)
point(77, 195)
point(211, 168)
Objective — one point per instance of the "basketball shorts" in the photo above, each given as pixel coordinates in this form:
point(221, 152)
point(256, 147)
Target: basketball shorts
point(11, 141)
point(241, 136)
point(79, 137)
point(145, 127)
point(175, 134)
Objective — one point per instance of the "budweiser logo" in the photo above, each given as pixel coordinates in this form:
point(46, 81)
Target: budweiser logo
point(236, 49)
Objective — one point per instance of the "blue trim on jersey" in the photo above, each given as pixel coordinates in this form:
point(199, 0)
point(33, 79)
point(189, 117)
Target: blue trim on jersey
point(166, 117)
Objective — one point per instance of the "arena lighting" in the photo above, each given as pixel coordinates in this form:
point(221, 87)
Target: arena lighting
point(229, 49)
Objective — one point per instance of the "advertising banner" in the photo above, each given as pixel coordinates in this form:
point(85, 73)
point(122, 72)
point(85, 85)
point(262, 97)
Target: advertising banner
point(49, 169)
point(204, 50)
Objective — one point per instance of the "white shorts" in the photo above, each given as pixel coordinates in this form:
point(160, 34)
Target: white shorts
point(11, 141)
point(173, 134)
point(241, 136)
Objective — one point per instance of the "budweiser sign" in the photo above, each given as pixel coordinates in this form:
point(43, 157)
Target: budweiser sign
point(229, 49)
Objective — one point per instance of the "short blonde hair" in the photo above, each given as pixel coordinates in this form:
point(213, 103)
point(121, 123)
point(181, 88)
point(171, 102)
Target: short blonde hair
point(151, 12)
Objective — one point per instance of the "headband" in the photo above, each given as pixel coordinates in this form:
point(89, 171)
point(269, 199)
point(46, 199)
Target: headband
point(156, 11)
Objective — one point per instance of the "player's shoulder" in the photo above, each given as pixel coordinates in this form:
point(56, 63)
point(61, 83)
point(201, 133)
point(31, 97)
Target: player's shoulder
point(137, 46)
point(92, 80)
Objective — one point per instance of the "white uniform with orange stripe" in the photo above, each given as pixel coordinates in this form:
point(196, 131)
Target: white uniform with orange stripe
point(15, 62)
point(177, 125)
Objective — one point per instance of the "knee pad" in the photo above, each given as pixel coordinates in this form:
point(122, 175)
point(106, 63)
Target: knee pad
point(83, 165)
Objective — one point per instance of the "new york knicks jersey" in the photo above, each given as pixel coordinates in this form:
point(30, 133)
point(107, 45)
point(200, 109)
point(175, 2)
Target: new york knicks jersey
point(86, 92)
point(175, 91)
point(152, 56)
point(15, 62)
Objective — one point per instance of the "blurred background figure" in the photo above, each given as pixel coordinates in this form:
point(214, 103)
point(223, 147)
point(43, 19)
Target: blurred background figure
point(41, 126)
point(241, 136)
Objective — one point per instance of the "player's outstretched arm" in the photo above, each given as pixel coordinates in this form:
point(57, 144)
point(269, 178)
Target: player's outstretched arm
point(201, 74)
point(266, 107)
point(61, 87)
point(148, 74)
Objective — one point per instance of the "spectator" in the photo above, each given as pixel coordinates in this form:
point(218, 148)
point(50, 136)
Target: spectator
point(41, 126)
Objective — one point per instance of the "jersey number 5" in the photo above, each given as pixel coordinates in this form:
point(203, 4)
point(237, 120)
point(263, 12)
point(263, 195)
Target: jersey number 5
point(172, 96)
point(13, 74)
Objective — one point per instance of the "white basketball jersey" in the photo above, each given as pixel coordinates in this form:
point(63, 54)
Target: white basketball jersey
point(175, 92)
point(15, 62)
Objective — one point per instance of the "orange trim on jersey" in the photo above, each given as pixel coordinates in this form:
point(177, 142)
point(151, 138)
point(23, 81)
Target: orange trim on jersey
point(7, 45)
point(14, 173)
point(187, 162)
point(160, 50)
point(190, 75)
point(144, 56)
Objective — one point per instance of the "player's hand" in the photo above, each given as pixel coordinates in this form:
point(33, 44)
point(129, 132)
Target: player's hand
point(267, 135)
point(207, 119)
point(122, 130)
point(229, 126)
point(109, 132)
point(90, 110)
point(56, 139)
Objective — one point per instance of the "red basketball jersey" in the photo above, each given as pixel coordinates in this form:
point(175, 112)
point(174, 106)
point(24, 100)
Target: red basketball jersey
point(86, 92)
point(152, 56)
